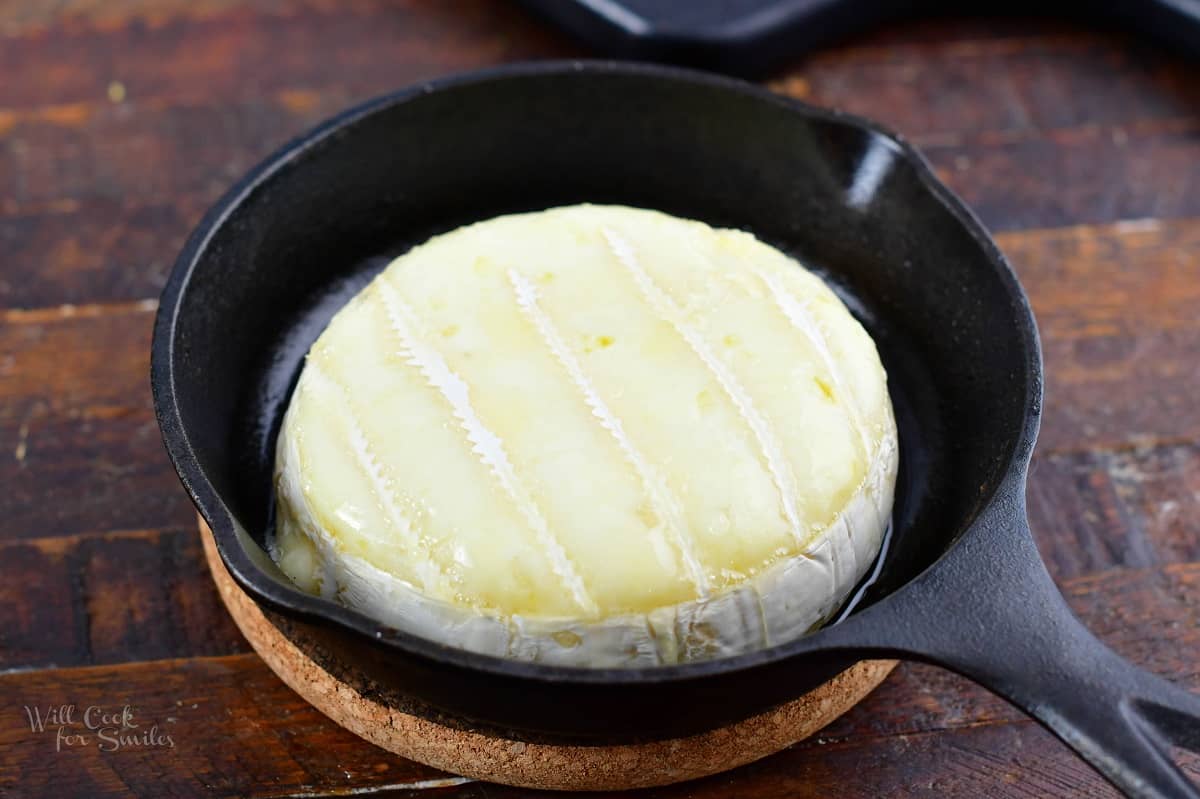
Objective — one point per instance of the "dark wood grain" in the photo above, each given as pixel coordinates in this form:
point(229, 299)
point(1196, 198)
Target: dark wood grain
point(89, 223)
point(182, 123)
point(942, 78)
point(210, 48)
point(956, 87)
point(121, 121)
point(1008, 760)
point(236, 729)
point(110, 598)
point(80, 448)
point(1116, 307)
point(96, 250)
point(924, 728)
point(1090, 175)
point(1093, 511)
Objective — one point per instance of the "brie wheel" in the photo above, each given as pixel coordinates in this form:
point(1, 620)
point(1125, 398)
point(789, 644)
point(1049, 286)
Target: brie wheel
point(592, 436)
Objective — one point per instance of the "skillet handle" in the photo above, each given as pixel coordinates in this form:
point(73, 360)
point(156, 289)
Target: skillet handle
point(1012, 632)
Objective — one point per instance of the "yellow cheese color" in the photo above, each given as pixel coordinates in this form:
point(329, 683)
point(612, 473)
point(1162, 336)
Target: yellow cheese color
point(592, 436)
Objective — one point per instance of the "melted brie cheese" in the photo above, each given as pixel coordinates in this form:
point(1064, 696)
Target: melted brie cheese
point(592, 435)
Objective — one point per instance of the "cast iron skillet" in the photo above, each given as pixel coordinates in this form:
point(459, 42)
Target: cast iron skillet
point(961, 585)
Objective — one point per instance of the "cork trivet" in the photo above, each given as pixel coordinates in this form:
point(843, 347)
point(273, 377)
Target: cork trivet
point(537, 765)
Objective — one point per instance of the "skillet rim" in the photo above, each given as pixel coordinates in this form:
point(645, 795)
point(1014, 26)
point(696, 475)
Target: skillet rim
point(295, 603)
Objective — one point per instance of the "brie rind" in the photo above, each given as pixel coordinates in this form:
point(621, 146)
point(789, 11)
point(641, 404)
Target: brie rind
point(593, 436)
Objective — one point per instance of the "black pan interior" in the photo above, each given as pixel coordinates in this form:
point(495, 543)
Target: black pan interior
point(842, 197)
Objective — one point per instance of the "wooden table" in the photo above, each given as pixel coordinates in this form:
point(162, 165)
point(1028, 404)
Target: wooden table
point(122, 120)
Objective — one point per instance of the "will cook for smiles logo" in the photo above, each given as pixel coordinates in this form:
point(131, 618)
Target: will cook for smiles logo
point(107, 729)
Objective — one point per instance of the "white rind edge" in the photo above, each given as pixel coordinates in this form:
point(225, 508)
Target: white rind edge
point(784, 602)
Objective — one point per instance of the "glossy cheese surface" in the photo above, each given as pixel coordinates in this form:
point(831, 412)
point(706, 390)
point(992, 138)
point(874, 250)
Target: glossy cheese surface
point(592, 435)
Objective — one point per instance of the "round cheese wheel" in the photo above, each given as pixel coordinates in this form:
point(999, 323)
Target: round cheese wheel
point(592, 436)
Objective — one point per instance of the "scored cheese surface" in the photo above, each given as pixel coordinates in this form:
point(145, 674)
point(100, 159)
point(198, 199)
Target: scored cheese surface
point(593, 436)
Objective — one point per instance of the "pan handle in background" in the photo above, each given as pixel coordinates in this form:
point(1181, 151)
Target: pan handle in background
point(991, 612)
point(751, 37)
